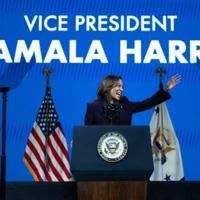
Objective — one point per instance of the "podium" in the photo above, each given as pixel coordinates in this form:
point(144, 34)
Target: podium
point(111, 176)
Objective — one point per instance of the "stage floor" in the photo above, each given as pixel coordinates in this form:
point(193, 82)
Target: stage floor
point(184, 190)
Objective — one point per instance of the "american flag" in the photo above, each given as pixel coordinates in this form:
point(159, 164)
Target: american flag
point(46, 153)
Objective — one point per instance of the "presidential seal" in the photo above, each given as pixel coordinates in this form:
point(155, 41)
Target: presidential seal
point(112, 147)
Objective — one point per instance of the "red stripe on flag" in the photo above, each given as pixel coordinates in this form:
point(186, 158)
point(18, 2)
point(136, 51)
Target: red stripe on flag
point(57, 157)
point(59, 142)
point(37, 155)
point(33, 167)
point(54, 170)
point(36, 136)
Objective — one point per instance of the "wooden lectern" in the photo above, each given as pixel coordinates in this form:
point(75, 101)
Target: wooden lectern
point(99, 179)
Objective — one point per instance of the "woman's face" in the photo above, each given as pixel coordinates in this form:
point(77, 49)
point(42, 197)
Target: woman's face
point(116, 91)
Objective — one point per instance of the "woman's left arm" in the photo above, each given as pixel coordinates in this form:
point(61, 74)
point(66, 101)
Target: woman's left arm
point(159, 97)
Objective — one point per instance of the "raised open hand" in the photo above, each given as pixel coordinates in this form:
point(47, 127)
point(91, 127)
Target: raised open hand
point(172, 82)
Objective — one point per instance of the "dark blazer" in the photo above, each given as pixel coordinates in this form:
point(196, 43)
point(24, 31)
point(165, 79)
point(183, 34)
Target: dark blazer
point(100, 112)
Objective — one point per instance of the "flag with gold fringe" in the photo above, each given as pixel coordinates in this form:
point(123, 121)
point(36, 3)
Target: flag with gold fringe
point(46, 152)
point(167, 158)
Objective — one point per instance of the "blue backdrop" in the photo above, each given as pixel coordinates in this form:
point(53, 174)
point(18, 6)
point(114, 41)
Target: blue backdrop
point(73, 85)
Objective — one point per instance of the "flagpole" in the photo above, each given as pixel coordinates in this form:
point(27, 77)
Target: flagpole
point(160, 71)
point(4, 92)
point(47, 72)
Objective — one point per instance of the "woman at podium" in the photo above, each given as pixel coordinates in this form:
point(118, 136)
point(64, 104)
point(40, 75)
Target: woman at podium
point(111, 108)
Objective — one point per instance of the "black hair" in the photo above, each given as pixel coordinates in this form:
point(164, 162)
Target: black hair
point(103, 92)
